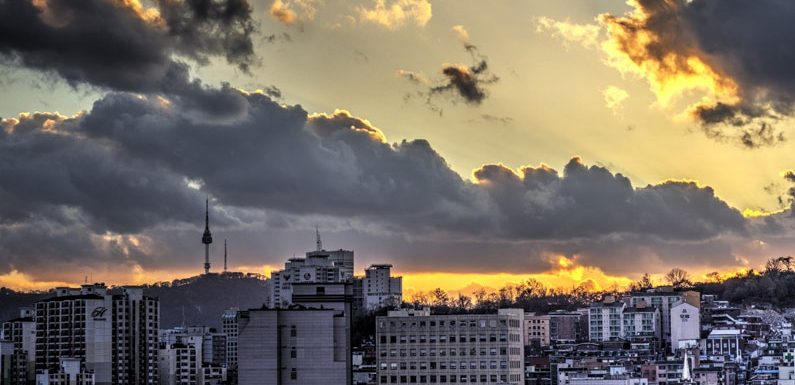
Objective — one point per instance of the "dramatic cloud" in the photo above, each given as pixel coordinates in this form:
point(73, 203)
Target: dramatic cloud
point(394, 14)
point(730, 53)
point(124, 183)
point(461, 82)
point(123, 45)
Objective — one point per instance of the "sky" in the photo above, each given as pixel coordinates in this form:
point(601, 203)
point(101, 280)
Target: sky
point(470, 144)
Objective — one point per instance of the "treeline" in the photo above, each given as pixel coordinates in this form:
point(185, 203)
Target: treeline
point(774, 285)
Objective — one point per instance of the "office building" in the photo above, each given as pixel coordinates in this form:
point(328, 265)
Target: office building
point(380, 288)
point(306, 343)
point(193, 355)
point(566, 327)
point(416, 347)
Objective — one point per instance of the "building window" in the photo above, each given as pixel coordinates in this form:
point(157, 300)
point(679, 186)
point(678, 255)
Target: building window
point(293, 374)
point(293, 331)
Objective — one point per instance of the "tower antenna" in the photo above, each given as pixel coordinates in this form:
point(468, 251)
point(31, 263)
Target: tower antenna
point(318, 242)
point(224, 255)
point(207, 238)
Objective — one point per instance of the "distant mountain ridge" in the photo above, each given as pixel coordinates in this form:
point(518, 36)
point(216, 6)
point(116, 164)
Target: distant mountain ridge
point(199, 300)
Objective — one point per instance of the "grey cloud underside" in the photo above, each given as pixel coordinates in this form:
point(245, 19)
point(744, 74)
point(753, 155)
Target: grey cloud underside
point(124, 167)
point(104, 44)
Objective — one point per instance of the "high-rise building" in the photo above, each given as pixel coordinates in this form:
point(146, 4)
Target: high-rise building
point(76, 324)
point(380, 288)
point(112, 336)
point(230, 321)
point(315, 268)
point(307, 343)
point(136, 322)
point(416, 347)
point(21, 334)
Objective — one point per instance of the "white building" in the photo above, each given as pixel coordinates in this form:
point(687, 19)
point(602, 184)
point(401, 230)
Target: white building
point(308, 343)
point(194, 355)
point(317, 267)
point(605, 319)
point(415, 347)
point(380, 288)
point(114, 336)
point(664, 299)
point(685, 326)
point(723, 345)
point(641, 323)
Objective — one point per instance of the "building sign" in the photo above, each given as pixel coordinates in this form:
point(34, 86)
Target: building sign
point(99, 313)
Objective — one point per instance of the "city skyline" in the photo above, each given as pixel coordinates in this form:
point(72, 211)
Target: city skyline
point(468, 145)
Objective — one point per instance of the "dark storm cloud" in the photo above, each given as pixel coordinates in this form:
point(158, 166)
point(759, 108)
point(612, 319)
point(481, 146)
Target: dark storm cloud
point(121, 45)
point(132, 165)
point(747, 44)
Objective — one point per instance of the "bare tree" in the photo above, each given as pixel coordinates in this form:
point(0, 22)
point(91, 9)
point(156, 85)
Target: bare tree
point(678, 278)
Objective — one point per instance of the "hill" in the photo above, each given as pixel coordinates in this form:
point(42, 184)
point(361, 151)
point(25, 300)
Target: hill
point(197, 300)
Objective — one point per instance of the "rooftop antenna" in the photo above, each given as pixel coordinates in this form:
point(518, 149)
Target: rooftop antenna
point(224, 255)
point(318, 242)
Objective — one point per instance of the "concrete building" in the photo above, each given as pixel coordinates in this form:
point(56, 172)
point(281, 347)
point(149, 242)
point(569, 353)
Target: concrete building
point(723, 345)
point(136, 322)
point(317, 267)
point(113, 336)
point(20, 333)
point(75, 324)
point(665, 299)
point(641, 324)
point(70, 371)
point(380, 288)
point(605, 319)
point(536, 330)
point(193, 355)
point(230, 321)
point(685, 326)
point(566, 327)
point(307, 343)
point(415, 347)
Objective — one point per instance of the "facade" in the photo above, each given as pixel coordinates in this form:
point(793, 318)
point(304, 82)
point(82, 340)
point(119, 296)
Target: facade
point(20, 333)
point(415, 347)
point(307, 343)
point(113, 336)
point(536, 330)
point(317, 267)
point(641, 324)
point(136, 322)
point(685, 326)
point(70, 371)
point(75, 324)
point(566, 327)
point(380, 289)
point(723, 345)
point(605, 320)
point(664, 299)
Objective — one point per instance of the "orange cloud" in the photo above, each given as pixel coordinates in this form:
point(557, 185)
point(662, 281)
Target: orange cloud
point(20, 281)
point(293, 11)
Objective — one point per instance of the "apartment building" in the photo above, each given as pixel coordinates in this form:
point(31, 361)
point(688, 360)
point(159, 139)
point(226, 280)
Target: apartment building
point(416, 347)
